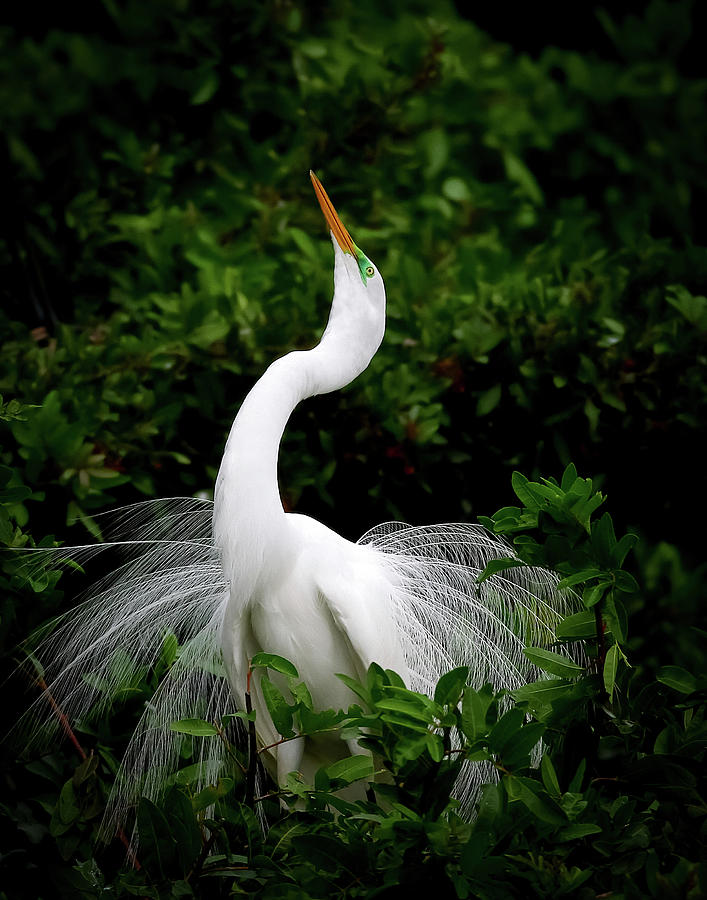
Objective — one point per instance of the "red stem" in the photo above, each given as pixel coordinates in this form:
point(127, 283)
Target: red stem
point(69, 732)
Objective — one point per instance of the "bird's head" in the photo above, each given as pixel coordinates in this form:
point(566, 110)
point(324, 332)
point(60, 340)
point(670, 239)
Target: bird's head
point(358, 308)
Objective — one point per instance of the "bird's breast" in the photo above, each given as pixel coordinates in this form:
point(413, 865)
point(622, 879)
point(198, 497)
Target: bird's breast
point(296, 624)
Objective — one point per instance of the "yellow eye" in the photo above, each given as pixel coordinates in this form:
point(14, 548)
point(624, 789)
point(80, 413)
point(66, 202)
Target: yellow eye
point(370, 271)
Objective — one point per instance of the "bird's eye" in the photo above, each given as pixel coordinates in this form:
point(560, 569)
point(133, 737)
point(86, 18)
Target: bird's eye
point(370, 271)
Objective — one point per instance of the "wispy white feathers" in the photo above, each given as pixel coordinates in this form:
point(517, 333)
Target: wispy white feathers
point(172, 584)
point(447, 619)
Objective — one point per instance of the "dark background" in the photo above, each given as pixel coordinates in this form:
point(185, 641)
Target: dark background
point(531, 183)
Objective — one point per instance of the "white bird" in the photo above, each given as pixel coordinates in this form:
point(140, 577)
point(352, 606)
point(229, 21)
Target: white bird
point(241, 575)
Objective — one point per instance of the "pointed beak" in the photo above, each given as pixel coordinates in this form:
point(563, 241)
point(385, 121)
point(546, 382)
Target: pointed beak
point(343, 238)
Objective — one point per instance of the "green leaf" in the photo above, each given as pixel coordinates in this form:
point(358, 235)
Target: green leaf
point(616, 618)
point(356, 687)
point(193, 774)
point(517, 171)
point(450, 686)
point(240, 714)
point(197, 727)
point(592, 595)
point(579, 626)
point(488, 400)
point(584, 509)
point(578, 577)
point(553, 663)
point(279, 709)
point(520, 484)
point(322, 720)
point(603, 540)
point(184, 827)
point(394, 679)
point(170, 649)
point(535, 799)
point(15, 494)
point(391, 718)
point(677, 678)
point(577, 830)
point(455, 189)
point(622, 548)
point(517, 749)
point(434, 146)
point(507, 726)
point(351, 769)
point(322, 782)
point(624, 581)
point(67, 810)
point(305, 244)
point(207, 88)
point(569, 476)
point(498, 565)
point(85, 771)
point(210, 794)
point(549, 776)
point(157, 846)
point(406, 707)
point(576, 784)
point(300, 693)
point(435, 747)
point(611, 665)
point(540, 693)
point(274, 662)
point(475, 705)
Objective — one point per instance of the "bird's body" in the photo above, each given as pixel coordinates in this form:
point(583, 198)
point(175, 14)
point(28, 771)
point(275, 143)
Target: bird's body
point(329, 612)
point(297, 588)
point(242, 576)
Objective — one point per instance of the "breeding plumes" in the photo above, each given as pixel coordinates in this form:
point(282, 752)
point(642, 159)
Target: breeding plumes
point(240, 575)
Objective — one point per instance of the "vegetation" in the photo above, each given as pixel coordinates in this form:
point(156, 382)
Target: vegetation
point(535, 216)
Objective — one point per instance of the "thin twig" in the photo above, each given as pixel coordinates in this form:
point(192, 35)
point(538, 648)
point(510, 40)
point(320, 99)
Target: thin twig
point(266, 796)
point(300, 735)
point(229, 749)
point(205, 850)
point(252, 749)
point(64, 722)
point(69, 732)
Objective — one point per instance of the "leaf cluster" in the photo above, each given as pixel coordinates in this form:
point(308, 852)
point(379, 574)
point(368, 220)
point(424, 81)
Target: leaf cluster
point(535, 218)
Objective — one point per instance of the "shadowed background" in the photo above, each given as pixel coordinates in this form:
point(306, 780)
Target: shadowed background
point(529, 188)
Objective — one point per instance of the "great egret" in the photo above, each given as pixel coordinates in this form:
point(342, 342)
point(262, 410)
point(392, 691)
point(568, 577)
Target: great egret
point(242, 576)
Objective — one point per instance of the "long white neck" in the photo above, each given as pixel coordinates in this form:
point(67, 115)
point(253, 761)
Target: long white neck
point(250, 525)
point(248, 516)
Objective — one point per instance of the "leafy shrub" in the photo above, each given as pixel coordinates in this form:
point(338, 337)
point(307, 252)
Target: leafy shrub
point(616, 803)
point(536, 219)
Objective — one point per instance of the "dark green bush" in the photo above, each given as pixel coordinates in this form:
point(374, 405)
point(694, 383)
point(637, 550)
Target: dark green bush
point(536, 217)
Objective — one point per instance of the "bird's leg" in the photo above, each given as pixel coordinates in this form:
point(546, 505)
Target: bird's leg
point(354, 748)
point(289, 758)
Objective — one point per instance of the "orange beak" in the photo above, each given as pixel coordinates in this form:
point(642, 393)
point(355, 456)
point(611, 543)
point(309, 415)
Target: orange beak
point(343, 238)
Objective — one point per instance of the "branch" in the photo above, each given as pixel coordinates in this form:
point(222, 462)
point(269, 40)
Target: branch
point(65, 724)
point(252, 750)
point(69, 732)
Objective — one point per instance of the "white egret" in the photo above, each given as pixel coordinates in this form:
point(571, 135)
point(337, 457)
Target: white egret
point(241, 575)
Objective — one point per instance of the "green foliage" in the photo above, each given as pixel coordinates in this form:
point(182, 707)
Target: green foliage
point(599, 778)
point(558, 531)
point(535, 218)
point(532, 217)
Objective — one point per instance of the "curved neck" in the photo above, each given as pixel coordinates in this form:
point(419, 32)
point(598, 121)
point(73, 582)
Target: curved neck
point(248, 513)
point(246, 486)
